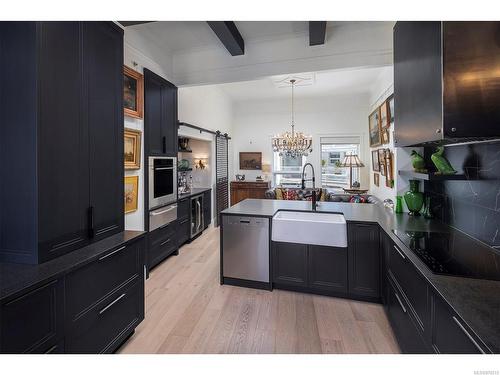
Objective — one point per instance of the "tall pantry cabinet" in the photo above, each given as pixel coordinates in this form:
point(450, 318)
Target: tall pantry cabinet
point(61, 137)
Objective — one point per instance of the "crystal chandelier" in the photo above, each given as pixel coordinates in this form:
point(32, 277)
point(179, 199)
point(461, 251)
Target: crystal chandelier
point(294, 144)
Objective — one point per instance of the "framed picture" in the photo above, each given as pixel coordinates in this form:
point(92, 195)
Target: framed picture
point(131, 193)
point(376, 179)
point(381, 158)
point(133, 92)
point(251, 160)
point(375, 161)
point(384, 115)
point(374, 128)
point(391, 109)
point(132, 149)
point(389, 178)
point(385, 134)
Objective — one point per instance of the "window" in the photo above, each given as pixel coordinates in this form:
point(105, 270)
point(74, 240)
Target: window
point(287, 171)
point(333, 151)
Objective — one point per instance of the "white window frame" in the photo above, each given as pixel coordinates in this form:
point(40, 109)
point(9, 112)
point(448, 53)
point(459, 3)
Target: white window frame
point(276, 171)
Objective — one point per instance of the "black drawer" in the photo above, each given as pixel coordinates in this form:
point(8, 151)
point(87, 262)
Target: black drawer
point(33, 322)
point(450, 335)
point(183, 231)
point(91, 283)
point(409, 338)
point(162, 243)
point(106, 325)
point(183, 208)
point(411, 283)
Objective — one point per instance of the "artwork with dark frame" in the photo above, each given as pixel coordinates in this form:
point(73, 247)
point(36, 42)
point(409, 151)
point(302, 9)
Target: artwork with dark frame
point(375, 161)
point(376, 179)
point(374, 128)
point(389, 178)
point(133, 92)
point(391, 109)
point(132, 149)
point(251, 161)
point(381, 158)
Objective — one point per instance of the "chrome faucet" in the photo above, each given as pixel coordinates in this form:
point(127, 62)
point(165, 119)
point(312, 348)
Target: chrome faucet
point(313, 179)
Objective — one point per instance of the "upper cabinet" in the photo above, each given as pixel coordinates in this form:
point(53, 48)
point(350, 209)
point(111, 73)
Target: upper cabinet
point(160, 115)
point(62, 137)
point(446, 82)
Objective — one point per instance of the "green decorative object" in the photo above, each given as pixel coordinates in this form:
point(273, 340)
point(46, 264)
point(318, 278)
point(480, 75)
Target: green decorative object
point(442, 164)
point(418, 162)
point(414, 198)
point(399, 204)
point(427, 210)
point(183, 164)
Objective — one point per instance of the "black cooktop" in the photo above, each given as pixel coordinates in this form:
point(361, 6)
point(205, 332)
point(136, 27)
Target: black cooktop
point(453, 254)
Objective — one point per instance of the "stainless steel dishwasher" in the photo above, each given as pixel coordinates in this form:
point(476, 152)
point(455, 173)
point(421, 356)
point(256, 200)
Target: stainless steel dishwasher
point(245, 248)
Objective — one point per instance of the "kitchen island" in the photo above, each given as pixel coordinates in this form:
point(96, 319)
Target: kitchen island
point(465, 308)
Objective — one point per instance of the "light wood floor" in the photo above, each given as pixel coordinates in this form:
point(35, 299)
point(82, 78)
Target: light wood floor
point(187, 311)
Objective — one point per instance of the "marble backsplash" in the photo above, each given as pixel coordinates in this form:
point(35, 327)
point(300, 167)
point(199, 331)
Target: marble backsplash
point(471, 205)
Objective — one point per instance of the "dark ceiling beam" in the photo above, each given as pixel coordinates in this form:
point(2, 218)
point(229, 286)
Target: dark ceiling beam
point(133, 23)
point(317, 33)
point(229, 35)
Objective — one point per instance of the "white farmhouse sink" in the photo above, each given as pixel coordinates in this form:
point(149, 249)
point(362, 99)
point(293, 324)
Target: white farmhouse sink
point(310, 228)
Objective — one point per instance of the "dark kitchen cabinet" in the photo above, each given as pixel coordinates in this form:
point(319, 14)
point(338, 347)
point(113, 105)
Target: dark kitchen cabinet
point(34, 322)
point(103, 58)
point(450, 335)
point(327, 269)
point(162, 242)
point(289, 264)
point(438, 94)
point(409, 338)
point(160, 115)
point(413, 286)
point(66, 186)
point(364, 260)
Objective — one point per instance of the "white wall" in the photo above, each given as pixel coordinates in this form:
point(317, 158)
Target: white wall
point(210, 108)
point(383, 88)
point(145, 57)
point(255, 122)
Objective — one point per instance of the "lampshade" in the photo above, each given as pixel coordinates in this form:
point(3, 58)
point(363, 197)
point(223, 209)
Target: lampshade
point(266, 168)
point(352, 161)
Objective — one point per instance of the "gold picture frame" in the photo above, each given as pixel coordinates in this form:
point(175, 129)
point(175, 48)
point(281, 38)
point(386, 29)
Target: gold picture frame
point(132, 149)
point(376, 179)
point(381, 157)
point(389, 167)
point(131, 193)
point(133, 92)
point(251, 161)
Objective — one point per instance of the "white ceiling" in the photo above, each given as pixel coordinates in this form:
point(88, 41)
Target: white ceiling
point(178, 36)
point(325, 83)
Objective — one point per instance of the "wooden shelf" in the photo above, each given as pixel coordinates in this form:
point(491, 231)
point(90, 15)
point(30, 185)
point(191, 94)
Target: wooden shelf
point(184, 170)
point(179, 150)
point(432, 176)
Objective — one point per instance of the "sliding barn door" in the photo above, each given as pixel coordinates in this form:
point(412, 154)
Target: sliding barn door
point(222, 175)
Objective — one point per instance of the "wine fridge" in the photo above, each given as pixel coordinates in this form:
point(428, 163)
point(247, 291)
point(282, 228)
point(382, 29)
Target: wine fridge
point(197, 219)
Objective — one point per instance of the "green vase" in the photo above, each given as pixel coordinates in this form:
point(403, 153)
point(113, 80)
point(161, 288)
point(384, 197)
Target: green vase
point(414, 198)
point(427, 210)
point(399, 204)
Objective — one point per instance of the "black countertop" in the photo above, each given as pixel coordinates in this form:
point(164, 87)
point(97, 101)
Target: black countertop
point(476, 301)
point(193, 192)
point(16, 278)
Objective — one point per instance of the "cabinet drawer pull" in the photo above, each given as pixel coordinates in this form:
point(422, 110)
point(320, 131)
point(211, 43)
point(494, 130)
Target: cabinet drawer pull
point(468, 334)
point(399, 252)
point(184, 221)
point(111, 304)
point(51, 349)
point(112, 253)
point(400, 303)
point(165, 242)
